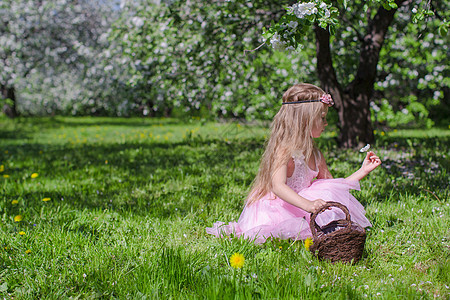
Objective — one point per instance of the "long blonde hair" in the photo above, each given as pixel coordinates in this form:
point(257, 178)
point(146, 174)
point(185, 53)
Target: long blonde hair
point(290, 131)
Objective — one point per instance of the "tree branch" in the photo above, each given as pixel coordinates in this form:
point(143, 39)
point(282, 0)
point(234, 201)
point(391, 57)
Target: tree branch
point(372, 43)
point(325, 70)
point(436, 12)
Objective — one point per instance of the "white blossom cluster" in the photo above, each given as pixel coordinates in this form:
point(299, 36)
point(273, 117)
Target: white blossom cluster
point(300, 10)
point(280, 39)
point(57, 58)
point(277, 43)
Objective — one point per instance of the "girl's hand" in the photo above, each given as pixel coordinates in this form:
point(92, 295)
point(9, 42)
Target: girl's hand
point(315, 205)
point(371, 162)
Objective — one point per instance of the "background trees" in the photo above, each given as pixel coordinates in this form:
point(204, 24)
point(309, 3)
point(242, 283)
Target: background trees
point(53, 56)
point(191, 58)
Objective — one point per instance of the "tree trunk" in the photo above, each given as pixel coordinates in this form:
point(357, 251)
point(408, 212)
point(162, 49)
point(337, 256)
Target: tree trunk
point(353, 101)
point(9, 108)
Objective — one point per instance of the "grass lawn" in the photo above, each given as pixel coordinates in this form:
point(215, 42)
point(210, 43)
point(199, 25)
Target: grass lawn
point(117, 208)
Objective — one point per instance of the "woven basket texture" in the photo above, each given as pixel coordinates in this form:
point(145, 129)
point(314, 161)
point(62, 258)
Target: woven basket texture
point(340, 240)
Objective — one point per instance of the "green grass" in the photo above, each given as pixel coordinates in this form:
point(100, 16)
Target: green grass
point(130, 200)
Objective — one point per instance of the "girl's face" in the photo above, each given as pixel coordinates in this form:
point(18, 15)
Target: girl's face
point(319, 125)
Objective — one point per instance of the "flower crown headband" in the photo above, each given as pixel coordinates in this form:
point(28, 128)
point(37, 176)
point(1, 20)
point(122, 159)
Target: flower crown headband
point(326, 99)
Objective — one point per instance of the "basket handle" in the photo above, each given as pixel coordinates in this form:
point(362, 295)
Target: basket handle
point(312, 223)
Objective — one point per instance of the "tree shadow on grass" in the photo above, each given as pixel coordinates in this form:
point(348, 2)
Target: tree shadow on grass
point(12, 135)
point(153, 179)
point(175, 178)
point(414, 166)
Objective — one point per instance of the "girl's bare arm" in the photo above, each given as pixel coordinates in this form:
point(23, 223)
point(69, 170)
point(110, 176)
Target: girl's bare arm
point(371, 161)
point(284, 192)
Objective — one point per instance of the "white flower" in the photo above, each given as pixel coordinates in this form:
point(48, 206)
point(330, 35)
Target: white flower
point(375, 107)
point(277, 43)
point(138, 22)
point(293, 24)
point(290, 49)
point(414, 10)
point(365, 148)
point(303, 9)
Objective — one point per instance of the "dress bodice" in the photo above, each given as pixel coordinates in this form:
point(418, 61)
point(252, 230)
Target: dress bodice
point(303, 175)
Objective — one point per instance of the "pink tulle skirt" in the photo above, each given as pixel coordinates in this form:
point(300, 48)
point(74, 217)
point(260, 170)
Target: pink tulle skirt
point(272, 217)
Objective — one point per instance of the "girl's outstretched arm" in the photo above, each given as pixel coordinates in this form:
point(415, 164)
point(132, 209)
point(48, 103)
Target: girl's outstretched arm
point(370, 163)
point(283, 191)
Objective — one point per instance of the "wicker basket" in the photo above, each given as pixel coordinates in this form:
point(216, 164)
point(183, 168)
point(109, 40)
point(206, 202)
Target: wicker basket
point(341, 240)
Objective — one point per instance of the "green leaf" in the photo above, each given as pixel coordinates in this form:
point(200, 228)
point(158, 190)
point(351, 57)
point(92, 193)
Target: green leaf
point(443, 29)
point(393, 5)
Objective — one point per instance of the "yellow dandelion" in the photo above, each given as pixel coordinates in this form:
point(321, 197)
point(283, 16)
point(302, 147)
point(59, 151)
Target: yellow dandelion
point(18, 218)
point(22, 232)
point(237, 260)
point(34, 175)
point(14, 202)
point(28, 251)
point(106, 162)
point(383, 133)
point(2, 168)
point(46, 199)
point(5, 176)
point(308, 243)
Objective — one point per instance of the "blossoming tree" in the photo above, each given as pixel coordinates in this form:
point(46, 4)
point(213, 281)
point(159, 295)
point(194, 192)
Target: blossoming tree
point(49, 48)
point(352, 99)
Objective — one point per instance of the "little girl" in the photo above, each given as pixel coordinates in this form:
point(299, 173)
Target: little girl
point(283, 193)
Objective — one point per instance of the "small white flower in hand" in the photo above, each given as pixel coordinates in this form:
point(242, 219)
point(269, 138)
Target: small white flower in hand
point(365, 148)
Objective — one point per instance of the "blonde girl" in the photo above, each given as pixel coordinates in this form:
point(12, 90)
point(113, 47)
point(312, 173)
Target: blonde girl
point(293, 179)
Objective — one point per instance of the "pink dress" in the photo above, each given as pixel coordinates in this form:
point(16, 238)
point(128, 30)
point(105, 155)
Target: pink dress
point(271, 216)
